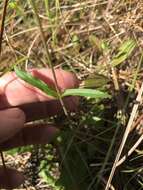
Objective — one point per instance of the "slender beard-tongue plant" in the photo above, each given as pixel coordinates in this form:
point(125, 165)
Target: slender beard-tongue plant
point(91, 93)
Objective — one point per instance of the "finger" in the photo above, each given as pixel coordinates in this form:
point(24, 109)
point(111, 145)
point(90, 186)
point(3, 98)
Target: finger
point(15, 92)
point(31, 135)
point(10, 178)
point(42, 110)
point(11, 121)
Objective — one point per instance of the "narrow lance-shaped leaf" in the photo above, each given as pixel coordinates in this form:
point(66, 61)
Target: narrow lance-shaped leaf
point(27, 77)
point(86, 93)
point(95, 81)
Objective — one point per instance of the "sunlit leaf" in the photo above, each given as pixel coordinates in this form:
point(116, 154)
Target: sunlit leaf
point(95, 81)
point(48, 178)
point(124, 52)
point(27, 77)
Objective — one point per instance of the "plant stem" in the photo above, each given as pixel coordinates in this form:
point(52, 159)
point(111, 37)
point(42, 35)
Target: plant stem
point(41, 32)
point(48, 56)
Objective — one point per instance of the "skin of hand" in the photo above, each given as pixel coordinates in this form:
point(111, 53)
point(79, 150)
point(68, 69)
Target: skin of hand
point(21, 103)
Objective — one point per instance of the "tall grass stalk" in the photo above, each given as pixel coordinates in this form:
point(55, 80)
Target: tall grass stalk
point(32, 2)
point(56, 23)
point(47, 7)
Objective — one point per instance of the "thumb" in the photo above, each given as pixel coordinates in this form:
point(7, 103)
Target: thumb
point(10, 178)
point(12, 121)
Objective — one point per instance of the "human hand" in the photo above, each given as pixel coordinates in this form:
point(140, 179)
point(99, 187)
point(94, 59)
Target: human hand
point(20, 103)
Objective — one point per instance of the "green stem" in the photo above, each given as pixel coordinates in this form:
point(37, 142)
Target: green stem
point(47, 9)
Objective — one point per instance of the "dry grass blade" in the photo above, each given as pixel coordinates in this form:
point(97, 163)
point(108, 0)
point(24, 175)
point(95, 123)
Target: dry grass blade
point(129, 125)
point(130, 151)
point(109, 5)
point(2, 23)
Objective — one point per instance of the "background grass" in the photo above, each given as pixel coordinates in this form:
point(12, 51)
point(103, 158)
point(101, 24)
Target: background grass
point(101, 42)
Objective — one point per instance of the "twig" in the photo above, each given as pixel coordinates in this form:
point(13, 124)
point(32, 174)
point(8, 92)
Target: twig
point(137, 122)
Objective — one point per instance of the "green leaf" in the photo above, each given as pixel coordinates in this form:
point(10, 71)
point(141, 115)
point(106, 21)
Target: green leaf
point(86, 93)
point(99, 44)
point(48, 178)
point(96, 42)
point(27, 77)
point(124, 52)
point(19, 150)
